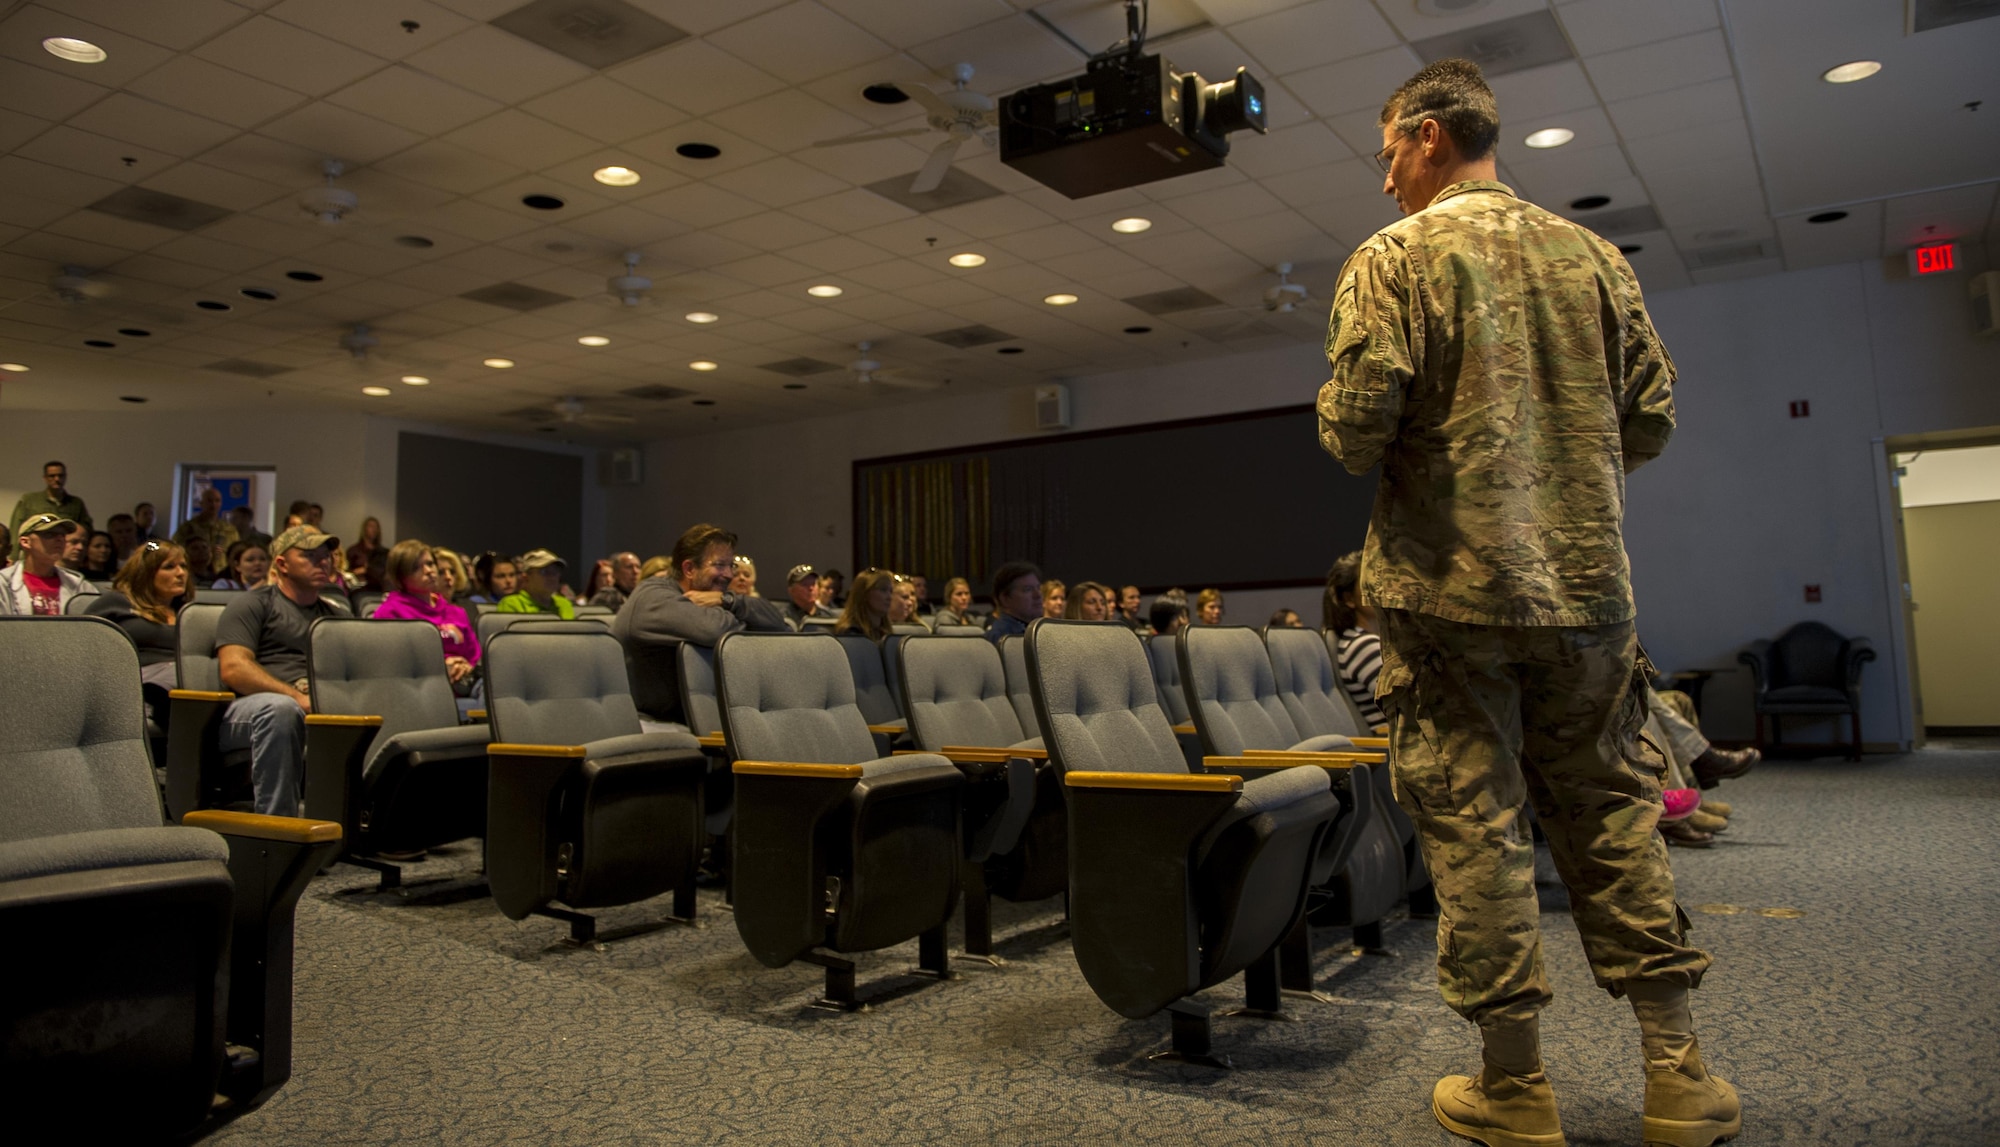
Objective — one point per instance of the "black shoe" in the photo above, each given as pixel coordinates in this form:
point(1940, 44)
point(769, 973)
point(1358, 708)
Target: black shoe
point(1718, 765)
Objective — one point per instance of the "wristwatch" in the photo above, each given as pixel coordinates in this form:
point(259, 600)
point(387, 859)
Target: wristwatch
point(729, 600)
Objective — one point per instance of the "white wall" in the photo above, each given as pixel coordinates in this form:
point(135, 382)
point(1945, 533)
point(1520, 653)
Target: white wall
point(1725, 531)
point(1950, 477)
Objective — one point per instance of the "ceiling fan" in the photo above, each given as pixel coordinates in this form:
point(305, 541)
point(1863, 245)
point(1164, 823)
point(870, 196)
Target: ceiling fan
point(570, 412)
point(328, 205)
point(961, 114)
point(1281, 311)
point(869, 371)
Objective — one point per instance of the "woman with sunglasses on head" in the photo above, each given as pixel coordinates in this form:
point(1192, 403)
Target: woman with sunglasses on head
point(145, 599)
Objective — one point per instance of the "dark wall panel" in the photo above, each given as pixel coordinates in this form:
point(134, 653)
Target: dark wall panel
point(475, 496)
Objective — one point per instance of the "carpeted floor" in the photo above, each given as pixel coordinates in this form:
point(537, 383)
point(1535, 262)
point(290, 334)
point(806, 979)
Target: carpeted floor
point(1867, 1011)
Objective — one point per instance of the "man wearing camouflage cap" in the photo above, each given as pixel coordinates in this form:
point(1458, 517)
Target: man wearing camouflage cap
point(1498, 362)
point(39, 583)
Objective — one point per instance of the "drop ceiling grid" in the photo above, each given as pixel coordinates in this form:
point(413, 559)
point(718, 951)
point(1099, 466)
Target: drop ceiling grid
point(447, 118)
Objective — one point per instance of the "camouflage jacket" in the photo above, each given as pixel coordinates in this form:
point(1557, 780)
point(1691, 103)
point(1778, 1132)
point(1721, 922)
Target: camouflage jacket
point(1498, 362)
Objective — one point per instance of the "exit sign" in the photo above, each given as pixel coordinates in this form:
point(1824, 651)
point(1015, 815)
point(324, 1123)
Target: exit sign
point(1935, 259)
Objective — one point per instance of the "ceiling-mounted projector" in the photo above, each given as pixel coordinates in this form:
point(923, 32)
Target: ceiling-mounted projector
point(1130, 119)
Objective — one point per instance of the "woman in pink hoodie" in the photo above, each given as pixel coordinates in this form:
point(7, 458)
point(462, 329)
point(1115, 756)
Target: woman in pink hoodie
point(412, 580)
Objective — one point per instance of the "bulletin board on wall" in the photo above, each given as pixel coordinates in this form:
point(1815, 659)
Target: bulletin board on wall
point(1241, 501)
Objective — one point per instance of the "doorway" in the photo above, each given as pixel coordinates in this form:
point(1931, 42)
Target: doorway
point(1948, 513)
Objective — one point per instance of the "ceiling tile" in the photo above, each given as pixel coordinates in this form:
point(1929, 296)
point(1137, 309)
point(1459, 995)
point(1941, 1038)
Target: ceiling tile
point(1242, 201)
point(850, 210)
point(1660, 67)
point(1351, 85)
point(127, 58)
point(696, 77)
point(179, 25)
point(143, 122)
point(82, 151)
point(1051, 241)
point(448, 167)
point(697, 16)
point(213, 91)
point(787, 120)
point(1959, 213)
point(497, 64)
point(374, 26)
point(604, 110)
point(626, 226)
point(1010, 54)
point(778, 182)
point(905, 22)
point(205, 252)
point(52, 184)
point(800, 42)
point(837, 253)
point(1298, 38)
point(45, 94)
point(1717, 101)
point(124, 234)
point(1294, 148)
point(271, 160)
point(769, 271)
point(411, 99)
point(288, 56)
point(990, 217)
point(1543, 94)
point(1600, 26)
point(511, 134)
point(17, 129)
point(1323, 184)
point(1857, 237)
point(206, 184)
point(1417, 25)
point(336, 133)
point(1234, 11)
point(661, 148)
point(899, 275)
point(773, 231)
point(864, 163)
point(699, 205)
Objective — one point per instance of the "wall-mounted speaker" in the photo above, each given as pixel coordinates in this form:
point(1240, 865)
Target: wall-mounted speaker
point(622, 466)
point(1052, 407)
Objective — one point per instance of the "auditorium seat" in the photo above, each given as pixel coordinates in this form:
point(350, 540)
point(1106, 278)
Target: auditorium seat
point(199, 774)
point(653, 669)
point(149, 966)
point(910, 628)
point(492, 625)
point(84, 598)
point(366, 602)
point(1178, 880)
point(882, 709)
point(397, 771)
point(1020, 694)
point(959, 631)
point(225, 596)
point(595, 611)
point(583, 808)
point(955, 693)
point(837, 849)
point(1309, 687)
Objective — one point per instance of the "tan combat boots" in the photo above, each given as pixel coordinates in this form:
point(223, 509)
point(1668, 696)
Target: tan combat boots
point(1510, 1104)
point(1685, 1105)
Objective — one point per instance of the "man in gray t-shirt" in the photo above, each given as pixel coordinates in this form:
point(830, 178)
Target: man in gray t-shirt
point(261, 642)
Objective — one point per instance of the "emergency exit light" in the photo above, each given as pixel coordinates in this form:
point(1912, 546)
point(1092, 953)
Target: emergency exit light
point(1935, 259)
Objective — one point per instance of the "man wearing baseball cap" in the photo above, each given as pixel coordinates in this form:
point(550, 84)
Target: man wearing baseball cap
point(802, 583)
point(260, 648)
point(541, 587)
point(39, 583)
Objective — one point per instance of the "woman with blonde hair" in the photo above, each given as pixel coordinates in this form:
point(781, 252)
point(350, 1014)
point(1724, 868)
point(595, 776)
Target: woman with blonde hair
point(411, 575)
point(903, 602)
point(868, 604)
point(659, 565)
point(957, 604)
point(453, 582)
point(744, 584)
point(144, 601)
point(1055, 598)
point(1090, 602)
point(1208, 607)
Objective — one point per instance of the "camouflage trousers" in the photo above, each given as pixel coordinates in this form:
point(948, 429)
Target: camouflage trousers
point(1483, 719)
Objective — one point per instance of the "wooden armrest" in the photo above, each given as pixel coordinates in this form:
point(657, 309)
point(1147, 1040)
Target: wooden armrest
point(1184, 729)
point(959, 754)
point(1370, 742)
point(1381, 730)
point(797, 769)
point(1182, 782)
point(344, 720)
point(475, 714)
point(887, 730)
point(1323, 760)
point(711, 740)
point(199, 695)
point(509, 749)
point(1023, 754)
point(1316, 755)
point(297, 830)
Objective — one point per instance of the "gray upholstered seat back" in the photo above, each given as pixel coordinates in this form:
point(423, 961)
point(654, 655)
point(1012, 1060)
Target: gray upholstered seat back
point(367, 602)
point(492, 625)
point(957, 694)
point(698, 699)
point(1307, 686)
point(1014, 661)
point(74, 756)
point(790, 697)
point(545, 686)
point(1231, 693)
point(959, 631)
point(196, 637)
point(871, 679)
point(1099, 709)
point(1163, 656)
point(391, 669)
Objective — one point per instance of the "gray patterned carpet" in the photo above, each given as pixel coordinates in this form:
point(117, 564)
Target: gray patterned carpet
point(1873, 1018)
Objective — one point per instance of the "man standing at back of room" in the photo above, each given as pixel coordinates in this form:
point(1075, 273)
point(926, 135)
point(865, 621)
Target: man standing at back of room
point(695, 605)
point(54, 498)
point(1498, 362)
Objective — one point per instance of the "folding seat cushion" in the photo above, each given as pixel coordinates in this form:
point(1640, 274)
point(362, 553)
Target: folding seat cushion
point(1232, 695)
point(1309, 687)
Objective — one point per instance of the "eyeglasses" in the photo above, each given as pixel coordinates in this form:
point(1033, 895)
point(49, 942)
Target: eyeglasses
point(1386, 158)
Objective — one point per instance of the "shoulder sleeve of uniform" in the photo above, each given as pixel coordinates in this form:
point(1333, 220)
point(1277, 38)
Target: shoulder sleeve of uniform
point(1374, 339)
point(1647, 420)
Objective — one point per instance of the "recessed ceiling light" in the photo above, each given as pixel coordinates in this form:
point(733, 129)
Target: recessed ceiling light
point(795, 386)
point(498, 363)
point(1589, 202)
point(417, 241)
point(594, 340)
point(134, 398)
point(542, 202)
point(698, 150)
point(16, 367)
point(1827, 217)
point(824, 291)
point(258, 293)
point(1059, 299)
point(1131, 226)
point(701, 364)
point(74, 50)
point(1008, 350)
point(884, 94)
point(211, 305)
point(967, 259)
point(704, 402)
point(701, 317)
point(1138, 330)
point(1851, 71)
point(305, 276)
point(135, 332)
point(615, 176)
point(99, 343)
point(416, 380)
point(1549, 137)
point(376, 391)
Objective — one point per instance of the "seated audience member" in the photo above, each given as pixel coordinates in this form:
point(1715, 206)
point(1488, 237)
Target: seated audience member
point(1169, 615)
point(100, 556)
point(315, 515)
point(832, 589)
point(300, 509)
point(696, 604)
point(209, 525)
point(1208, 607)
point(659, 565)
point(345, 578)
point(802, 587)
point(144, 601)
point(541, 587)
point(6, 546)
point(73, 546)
point(1360, 660)
point(614, 580)
point(452, 580)
point(903, 602)
point(745, 581)
point(1285, 619)
point(145, 520)
point(868, 605)
point(124, 538)
point(39, 583)
point(923, 587)
point(410, 570)
point(495, 576)
point(1128, 608)
point(364, 549)
point(957, 604)
point(1090, 602)
point(1017, 600)
point(249, 567)
point(244, 521)
point(197, 557)
point(261, 646)
point(1055, 597)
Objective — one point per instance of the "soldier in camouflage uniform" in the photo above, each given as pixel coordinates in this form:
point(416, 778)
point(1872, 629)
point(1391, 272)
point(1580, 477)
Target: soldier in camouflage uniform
point(1498, 362)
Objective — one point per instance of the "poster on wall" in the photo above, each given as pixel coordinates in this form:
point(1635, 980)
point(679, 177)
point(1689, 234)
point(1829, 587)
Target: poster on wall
point(240, 484)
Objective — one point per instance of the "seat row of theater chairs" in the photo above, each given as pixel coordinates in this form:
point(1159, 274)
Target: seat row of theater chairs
point(862, 790)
